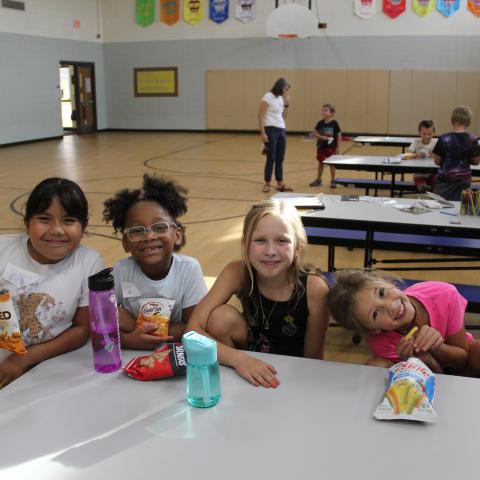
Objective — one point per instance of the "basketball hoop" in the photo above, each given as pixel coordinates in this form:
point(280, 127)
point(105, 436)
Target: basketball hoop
point(291, 21)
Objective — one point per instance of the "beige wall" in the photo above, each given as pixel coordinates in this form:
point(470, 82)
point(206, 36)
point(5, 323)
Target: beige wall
point(367, 101)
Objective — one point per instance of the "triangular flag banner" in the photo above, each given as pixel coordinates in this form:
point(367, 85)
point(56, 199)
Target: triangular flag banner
point(364, 8)
point(144, 12)
point(394, 8)
point(474, 7)
point(169, 11)
point(447, 7)
point(246, 10)
point(218, 10)
point(193, 11)
point(423, 7)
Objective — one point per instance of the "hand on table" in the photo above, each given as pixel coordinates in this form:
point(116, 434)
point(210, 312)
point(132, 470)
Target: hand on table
point(13, 367)
point(256, 371)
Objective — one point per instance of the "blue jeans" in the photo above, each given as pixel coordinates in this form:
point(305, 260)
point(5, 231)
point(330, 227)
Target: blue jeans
point(277, 143)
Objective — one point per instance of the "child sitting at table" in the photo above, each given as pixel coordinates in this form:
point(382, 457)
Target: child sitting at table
point(454, 153)
point(154, 274)
point(46, 273)
point(373, 305)
point(422, 147)
point(283, 303)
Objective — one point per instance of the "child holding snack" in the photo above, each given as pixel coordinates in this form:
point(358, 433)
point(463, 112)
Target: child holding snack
point(283, 303)
point(422, 148)
point(373, 305)
point(156, 288)
point(454, 153)
point(329, 137)
point(46, 274)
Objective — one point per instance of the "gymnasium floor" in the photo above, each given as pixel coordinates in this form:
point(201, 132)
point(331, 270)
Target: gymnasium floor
point(224, 175)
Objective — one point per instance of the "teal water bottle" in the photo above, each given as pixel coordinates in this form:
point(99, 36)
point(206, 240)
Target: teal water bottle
point(203, 374)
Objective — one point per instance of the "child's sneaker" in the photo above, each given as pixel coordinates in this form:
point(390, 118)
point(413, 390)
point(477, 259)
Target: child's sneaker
point(333, 184)
point(316, 183)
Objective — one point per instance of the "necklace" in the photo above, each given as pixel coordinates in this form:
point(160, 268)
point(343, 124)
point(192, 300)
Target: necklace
point(266, 320)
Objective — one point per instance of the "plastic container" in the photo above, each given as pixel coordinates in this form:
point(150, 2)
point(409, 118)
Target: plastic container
point(104, 329)
point(203, 374)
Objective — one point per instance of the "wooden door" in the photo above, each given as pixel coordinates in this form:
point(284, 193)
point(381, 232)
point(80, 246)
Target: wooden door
point(85, 92)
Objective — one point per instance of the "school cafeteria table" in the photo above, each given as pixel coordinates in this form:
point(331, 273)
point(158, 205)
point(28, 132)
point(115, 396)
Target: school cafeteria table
point(373, 215)
point(385, 141)
point(64, 421)
point(376, 163)
point(385, 164)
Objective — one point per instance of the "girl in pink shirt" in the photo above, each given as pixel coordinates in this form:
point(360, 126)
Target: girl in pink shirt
point(374, 306)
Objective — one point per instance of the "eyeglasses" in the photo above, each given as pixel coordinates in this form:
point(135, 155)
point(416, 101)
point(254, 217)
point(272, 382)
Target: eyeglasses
point(137, 234)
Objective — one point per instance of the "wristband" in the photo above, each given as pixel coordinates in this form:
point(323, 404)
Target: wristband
point(287, 105)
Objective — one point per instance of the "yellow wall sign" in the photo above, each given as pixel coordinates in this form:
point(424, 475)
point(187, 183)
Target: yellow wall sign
point(156, 82)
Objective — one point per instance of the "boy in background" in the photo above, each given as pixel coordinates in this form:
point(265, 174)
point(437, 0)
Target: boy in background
point(329, 136)
point(454, 152)
point(422, 147)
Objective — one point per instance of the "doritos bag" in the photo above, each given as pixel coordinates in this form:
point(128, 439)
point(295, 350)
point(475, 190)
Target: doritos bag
point(167, 361)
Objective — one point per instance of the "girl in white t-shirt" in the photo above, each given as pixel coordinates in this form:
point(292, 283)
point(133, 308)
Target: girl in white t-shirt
point(46, 272)
point(271, 120)
point(154, 274)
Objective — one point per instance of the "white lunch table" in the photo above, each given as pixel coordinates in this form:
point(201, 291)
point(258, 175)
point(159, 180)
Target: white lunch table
point(62, 420)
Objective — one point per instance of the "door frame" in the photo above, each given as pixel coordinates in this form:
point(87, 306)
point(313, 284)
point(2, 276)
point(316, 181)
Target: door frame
point(75, 64)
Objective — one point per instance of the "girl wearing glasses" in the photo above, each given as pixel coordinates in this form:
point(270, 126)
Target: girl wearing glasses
point(147, 218)
point(46, 272)
point(283, 303)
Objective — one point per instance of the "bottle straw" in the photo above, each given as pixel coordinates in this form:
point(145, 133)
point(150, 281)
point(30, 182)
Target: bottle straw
point(99, 313)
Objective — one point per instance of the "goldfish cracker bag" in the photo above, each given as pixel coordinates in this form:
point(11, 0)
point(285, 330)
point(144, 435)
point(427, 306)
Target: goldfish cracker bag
point(410, 393)
point(10, 335)
point(155, 311)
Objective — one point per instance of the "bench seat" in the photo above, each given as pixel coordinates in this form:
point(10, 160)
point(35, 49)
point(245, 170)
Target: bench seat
point(373, 184)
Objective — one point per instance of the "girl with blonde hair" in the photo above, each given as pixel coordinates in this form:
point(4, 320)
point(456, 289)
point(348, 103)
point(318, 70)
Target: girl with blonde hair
point(283, 302)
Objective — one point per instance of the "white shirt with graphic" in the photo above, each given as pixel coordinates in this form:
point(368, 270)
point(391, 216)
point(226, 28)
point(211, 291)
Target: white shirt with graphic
point(46, 296)
point(184, 284)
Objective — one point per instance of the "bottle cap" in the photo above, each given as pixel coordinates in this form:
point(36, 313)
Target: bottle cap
point(200, 350)
point(101, 281)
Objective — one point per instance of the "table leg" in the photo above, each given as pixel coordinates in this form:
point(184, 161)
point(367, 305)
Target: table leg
point(331, 257)
point(368, 259)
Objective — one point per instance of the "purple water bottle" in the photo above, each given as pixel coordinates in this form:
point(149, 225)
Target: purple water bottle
point(104, 329)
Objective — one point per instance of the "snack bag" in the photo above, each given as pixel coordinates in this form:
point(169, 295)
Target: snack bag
point(410, 392)
point(155, 311)
point(10, 335)
point(167, 361)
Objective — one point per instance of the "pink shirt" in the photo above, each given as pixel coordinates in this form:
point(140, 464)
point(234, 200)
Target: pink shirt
point(445, 307)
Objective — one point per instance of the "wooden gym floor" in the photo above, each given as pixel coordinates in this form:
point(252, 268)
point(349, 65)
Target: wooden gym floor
point(224, 175)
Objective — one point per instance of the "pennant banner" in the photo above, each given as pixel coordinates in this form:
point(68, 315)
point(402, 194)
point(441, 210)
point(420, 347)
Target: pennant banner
point(447, 7)
point(169, 11)
point(364, 8)
point(393, 8)
point(423, 7)
point(218, 10)
point(144, 12)
point(474, 7)
point(246, 10)
point(193, 11)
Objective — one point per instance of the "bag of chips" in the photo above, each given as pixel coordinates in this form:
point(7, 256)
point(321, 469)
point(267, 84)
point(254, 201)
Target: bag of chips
point(155, 311)
point(10, 334)
point(167, 361)
point(410, 393)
